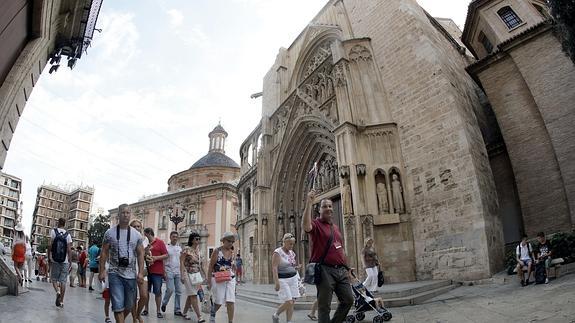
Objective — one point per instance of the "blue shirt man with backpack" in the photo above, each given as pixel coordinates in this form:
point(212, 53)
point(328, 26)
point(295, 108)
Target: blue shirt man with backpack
point(59, 253)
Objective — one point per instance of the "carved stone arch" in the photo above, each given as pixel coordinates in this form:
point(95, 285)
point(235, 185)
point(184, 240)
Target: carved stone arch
point(316, 36)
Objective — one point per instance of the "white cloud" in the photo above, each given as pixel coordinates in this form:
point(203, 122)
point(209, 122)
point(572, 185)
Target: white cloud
point(176, 17)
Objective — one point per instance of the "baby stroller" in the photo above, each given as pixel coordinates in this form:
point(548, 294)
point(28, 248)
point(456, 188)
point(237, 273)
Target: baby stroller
point(365, 302)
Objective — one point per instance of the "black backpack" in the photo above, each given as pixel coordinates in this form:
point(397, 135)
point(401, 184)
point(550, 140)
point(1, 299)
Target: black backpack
point(59, 246)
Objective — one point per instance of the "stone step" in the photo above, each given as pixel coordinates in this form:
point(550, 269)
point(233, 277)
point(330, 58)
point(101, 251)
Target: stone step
point(412, 297)
point(389, 291)
point(3, 290)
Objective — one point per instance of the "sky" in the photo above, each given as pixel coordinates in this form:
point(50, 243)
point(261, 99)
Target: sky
point(139, 105)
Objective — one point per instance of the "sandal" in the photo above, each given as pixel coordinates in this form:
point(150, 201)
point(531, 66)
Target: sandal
point(201, 321)
point(312, 317)
point(107, 320)
point(187, 317)
point(145, 313)
point(159, 315)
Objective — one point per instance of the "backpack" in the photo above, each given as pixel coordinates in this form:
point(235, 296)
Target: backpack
point(19, 254)
point(59, 246)
point(540, 273)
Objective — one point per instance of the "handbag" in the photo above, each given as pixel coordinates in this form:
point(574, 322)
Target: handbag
point(223, 276)
point(380, 279)
point(313, 269)
point(195, 278)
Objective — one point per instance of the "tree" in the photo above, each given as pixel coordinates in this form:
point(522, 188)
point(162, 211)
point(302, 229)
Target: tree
point(563, 11)
point(43, 246)
point(98, 229)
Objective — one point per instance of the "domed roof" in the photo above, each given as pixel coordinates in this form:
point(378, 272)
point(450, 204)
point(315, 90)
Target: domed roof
point(215, 159)
point(218, 129)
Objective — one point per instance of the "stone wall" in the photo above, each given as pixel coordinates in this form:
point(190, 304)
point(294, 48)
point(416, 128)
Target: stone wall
point(453, 202)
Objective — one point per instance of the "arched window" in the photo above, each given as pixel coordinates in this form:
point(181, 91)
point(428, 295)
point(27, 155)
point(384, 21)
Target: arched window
point(509, 17)
point(485, 42)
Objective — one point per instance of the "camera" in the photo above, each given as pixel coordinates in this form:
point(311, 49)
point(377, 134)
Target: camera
point(123, 262)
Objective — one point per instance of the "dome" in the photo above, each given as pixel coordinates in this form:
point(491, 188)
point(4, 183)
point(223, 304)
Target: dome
point(215, 159)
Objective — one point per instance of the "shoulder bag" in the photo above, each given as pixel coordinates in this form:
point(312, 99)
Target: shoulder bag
point(313, 269)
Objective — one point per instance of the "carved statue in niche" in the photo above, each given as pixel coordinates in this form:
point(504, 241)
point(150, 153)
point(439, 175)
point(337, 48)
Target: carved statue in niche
point(292, 224)
point(280, 225)
point(336, 170)
point(382, 203)
point(346, 197)
point(323, 176)
point(331, 174)
point(397, 193)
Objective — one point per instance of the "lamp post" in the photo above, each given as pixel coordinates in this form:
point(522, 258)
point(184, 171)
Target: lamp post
point(177, 213)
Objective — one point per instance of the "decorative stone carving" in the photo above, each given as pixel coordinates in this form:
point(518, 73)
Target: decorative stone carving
point(338, 74)
point(361, 169)
point(359, 53)
point(397, 194)
point(367, 225)
point(382, 202)
point(349, 221)
point(280, 224)
point(346, 198)
point(344, 171)
point(292, 224)
point(321, 54)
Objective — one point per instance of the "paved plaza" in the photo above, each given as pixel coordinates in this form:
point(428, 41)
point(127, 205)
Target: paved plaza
point(485, 303)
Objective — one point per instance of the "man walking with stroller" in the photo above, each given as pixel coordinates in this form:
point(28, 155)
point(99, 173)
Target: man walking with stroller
point(332, 260)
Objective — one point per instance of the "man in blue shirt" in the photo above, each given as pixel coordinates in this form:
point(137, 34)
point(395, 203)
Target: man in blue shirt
point(94, 256)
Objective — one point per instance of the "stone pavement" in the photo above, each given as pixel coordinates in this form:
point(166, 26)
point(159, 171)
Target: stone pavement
point(485, 303)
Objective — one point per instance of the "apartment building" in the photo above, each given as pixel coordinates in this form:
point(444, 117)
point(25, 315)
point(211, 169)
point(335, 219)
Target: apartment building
point(53, 202)
point(10, 189)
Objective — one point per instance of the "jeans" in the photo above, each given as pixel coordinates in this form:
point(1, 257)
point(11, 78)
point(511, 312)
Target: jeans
point(333, 280)
point(173, 283)
point(122, 292)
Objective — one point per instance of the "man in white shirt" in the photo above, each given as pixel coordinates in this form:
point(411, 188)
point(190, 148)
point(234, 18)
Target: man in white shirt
point(525, 257)
point(59, 251)
point(173, 278)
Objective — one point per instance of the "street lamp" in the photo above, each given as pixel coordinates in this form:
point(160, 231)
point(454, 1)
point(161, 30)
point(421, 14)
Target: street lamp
point(177, 213)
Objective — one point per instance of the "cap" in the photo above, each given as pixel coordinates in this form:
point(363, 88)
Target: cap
point(227, 235)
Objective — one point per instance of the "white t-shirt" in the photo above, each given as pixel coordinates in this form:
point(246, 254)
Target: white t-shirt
point(172, 264)
point(68, 240)
point(523, 251)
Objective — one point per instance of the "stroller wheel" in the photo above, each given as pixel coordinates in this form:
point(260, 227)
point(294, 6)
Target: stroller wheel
point(378, 319)
point(360, 316)
point(387, 316)
point(350, 319)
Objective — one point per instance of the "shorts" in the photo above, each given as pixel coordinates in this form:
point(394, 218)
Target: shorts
point(81, 271)
point(106, 293)
point(94, 270)
point(224, 292)
point(59, 272)
point(527, 261)
point(122, 292)
point(155, 282)
point(289, 288)
point(239, 271)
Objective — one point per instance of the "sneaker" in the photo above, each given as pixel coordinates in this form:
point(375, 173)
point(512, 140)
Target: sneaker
point(275, 319)
point(546, 280)
point(178, 313)
point(163, 308)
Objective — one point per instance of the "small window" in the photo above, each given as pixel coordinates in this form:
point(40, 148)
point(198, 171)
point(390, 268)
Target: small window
point(251, 244)
point(486, 43)
point(509, 17)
